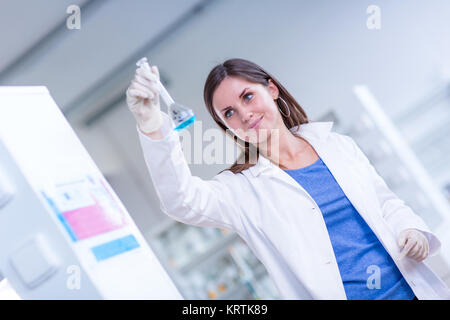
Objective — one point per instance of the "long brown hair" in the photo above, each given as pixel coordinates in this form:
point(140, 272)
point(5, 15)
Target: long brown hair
point(253, 73)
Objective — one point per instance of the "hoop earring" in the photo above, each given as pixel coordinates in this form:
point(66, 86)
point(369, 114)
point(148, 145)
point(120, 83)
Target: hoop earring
point(289, 110)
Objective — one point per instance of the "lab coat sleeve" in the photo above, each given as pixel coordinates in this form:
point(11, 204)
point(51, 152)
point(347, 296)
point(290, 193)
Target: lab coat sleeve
point(184, 197)
point(396, 213)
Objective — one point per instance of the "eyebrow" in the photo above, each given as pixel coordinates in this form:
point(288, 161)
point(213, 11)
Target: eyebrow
point(242, 93)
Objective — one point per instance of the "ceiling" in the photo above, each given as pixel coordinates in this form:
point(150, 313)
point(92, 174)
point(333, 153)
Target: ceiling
point(74, 63)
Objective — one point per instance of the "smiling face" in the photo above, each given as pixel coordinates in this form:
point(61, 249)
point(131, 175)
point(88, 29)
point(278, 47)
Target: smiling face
point(247, 108)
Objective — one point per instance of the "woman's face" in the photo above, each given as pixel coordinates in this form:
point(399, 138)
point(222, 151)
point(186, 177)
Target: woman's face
point(247, 108)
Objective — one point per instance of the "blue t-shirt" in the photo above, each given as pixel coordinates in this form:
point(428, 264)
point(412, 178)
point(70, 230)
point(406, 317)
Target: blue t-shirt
point(367, 270)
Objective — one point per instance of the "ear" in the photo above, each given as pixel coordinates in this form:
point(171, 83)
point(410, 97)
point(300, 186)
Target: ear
point(273, 90)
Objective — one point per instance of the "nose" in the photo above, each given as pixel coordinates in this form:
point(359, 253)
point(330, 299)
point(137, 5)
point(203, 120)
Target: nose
point(247, 116)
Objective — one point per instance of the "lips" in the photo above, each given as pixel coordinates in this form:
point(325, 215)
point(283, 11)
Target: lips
point(254, 124)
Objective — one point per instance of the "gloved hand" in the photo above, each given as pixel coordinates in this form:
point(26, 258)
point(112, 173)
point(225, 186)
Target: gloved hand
point(414, 244)
point(143, 99)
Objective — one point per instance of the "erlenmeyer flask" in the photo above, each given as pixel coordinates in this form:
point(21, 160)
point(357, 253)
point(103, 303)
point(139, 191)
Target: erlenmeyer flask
point(181, 116)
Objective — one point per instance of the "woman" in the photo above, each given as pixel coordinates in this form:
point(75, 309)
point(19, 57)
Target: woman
point(305, 199)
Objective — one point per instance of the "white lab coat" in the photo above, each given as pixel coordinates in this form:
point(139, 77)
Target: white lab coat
point(280, 221)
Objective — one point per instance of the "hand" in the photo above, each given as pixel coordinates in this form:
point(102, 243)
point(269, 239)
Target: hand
point(414, 244)
point(143, 99)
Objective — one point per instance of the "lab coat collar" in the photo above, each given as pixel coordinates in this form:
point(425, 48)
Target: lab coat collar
point(318, 130)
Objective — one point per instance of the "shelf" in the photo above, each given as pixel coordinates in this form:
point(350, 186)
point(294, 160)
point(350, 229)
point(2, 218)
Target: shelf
point(210, 253)
point(161, 227)
point(215, 251)
point(233, 291)
point(259, 271)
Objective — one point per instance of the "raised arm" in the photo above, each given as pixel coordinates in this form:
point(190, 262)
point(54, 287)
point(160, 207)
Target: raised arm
point(184, 197)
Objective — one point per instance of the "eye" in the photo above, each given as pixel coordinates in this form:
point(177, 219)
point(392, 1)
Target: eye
point(245, 97)
point(226, 113)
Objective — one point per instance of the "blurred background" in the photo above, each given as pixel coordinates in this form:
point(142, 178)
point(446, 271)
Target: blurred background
point(378, 69)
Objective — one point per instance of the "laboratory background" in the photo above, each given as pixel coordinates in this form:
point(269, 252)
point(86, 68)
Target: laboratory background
point(380, 70)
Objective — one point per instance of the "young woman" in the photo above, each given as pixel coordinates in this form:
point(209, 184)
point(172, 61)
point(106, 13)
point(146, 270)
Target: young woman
point(305, 199)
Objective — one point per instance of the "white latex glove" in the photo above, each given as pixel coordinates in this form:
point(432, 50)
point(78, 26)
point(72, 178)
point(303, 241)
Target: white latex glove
point(414, 244)
point(143, 99)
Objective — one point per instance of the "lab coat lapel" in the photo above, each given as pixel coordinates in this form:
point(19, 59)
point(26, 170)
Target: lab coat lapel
point(310, 131)
point(344, 175)
point(316, 134)
point(313, 132)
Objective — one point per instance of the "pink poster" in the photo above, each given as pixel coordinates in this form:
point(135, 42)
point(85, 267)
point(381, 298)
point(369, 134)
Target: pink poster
point(87, 208)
